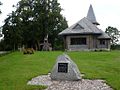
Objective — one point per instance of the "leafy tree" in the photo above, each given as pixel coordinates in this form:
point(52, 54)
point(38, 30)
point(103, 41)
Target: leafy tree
point(0, 4)
point(11, 31)
point(0, 28)
point(114, 34)
point(0, 32)
point(32, 21)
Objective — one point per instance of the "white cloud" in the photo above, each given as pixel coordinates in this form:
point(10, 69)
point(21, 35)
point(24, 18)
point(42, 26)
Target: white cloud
point(6, 8)
point(106, 11)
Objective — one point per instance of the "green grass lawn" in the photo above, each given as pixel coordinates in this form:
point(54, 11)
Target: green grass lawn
point(16, 69)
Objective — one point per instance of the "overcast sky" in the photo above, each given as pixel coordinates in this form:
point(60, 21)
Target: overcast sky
point(107, 12)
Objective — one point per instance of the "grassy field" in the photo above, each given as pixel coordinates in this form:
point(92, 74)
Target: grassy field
point(16, 69)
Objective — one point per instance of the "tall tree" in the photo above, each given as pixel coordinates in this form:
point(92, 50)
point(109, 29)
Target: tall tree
point(114, 34)
point(0, 28)
point(0, 9)
point(11, 31)
point(0, 32)
point(33, 20)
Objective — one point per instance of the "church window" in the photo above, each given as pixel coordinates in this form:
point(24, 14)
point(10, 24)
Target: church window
point(78, 41)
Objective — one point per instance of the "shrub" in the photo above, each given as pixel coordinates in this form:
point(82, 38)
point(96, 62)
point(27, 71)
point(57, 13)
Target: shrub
point(115, 47)
point(28, 51)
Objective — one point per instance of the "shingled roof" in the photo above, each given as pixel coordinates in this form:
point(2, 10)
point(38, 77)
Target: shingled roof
point(91, 16)
point(84, 26)
point(104, 36)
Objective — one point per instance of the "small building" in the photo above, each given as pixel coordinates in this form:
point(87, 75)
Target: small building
point(85, 35)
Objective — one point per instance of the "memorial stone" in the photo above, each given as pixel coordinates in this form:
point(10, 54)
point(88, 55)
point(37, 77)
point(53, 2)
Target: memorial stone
point(65, 69)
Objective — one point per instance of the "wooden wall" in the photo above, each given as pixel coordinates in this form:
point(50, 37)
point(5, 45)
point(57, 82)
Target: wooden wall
point(92, 43)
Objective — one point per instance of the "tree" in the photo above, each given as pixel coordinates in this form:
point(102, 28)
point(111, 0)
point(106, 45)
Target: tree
point(0, 27)
point(114, 34)
point(1, 32)
point(11, 31)
point(0, 4)
point(32, 21)
point(56, 23)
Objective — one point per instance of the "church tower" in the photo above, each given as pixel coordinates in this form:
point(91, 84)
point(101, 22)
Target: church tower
point(91, 16)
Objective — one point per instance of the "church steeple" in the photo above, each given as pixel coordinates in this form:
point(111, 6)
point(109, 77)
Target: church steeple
point(91, 16)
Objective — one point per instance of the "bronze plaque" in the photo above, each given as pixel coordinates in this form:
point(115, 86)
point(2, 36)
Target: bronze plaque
point(63, 67)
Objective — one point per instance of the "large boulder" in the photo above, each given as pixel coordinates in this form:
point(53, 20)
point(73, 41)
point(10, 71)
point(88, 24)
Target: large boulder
point(65, 69)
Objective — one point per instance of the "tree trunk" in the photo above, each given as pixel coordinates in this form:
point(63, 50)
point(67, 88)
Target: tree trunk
point(14, 47)
point(38, 45)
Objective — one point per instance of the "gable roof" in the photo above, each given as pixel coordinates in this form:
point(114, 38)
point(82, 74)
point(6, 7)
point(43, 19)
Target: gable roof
point(78, 26)
point(87, 28)
point(91, 16)
point(84, 26)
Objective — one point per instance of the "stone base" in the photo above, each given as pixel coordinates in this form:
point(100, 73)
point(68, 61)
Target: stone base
point(84, 84)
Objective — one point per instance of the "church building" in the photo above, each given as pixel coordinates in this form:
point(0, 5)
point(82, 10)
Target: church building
point(85, 35)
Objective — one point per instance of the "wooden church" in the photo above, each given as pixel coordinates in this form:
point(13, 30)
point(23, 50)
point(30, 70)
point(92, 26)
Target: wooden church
point(85, 35)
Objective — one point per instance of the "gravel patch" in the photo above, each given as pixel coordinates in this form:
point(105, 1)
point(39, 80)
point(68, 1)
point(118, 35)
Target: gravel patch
point(84, 84)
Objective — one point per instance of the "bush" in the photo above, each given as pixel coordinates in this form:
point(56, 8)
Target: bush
point(115, 47)
point(28, 51)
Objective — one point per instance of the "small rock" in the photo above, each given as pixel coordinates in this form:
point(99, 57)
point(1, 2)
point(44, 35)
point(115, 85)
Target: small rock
point(84, 84)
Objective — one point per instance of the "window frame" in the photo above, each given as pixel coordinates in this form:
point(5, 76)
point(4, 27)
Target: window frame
point(102, 42)
point(78, 41)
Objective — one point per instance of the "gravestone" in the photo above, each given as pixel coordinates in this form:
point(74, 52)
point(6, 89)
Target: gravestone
point(65, 69)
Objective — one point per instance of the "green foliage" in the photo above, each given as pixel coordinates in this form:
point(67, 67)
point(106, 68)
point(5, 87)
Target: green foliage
point(114, 34)
point(4, 46)
point(1, 32)
point(115, 47)
point(0, 9)
point(12, 32)
point(0, 35)
point(32, 21)
point(0, 3)
point(17, 69)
